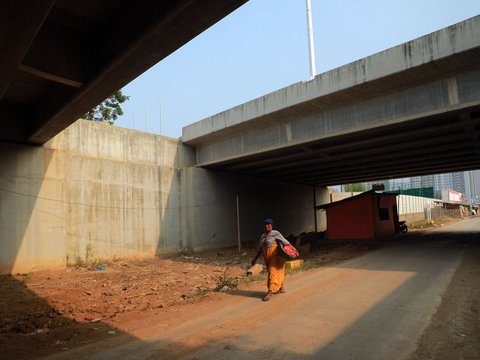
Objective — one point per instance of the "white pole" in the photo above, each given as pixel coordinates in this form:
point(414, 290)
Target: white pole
point(311, 48)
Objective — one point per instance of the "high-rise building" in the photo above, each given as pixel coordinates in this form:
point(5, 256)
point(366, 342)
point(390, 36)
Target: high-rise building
point(458, 182)
point(454, 181)
point(422, 181)
point(443, 182)
point(466, 182)
point(472, 186)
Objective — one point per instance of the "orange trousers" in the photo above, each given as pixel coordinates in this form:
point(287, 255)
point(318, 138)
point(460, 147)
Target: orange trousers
point(275, 267)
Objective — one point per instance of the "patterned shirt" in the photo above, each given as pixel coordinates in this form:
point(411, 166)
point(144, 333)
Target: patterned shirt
point(267, 240)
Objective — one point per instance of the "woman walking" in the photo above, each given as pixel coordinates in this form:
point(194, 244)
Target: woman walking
point(274, 261)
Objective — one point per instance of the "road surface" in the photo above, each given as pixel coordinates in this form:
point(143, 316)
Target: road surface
point(373, 307)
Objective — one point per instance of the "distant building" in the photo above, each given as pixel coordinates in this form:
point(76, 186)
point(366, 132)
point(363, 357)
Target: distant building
point(472, 186)
point(458, 182)
point(422, 181)
point(442, 181)
point(465, 182)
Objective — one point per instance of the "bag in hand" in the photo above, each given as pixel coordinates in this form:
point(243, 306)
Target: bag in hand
point(288, 251)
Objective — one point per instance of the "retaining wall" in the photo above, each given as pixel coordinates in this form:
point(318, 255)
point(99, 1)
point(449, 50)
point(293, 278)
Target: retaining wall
point(97, 191)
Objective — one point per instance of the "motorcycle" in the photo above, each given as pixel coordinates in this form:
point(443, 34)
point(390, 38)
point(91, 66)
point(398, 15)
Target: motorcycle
point(402, 226)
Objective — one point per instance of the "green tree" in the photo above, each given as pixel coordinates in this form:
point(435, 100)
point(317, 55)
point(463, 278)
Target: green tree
point(356, 187)
point(109, 109)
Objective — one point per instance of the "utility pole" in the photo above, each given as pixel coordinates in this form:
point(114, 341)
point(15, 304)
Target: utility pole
point(311, 47)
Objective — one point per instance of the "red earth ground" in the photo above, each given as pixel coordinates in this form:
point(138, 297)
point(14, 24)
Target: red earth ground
point(50, 311)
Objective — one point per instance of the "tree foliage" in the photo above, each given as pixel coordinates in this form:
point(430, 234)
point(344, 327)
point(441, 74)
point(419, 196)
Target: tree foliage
point(356, 187)
point(109, 109)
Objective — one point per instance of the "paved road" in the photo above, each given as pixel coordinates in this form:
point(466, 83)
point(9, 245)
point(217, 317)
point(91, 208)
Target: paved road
point(373, 307)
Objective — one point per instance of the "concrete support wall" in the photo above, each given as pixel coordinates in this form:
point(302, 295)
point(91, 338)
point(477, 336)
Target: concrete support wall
point(31, 227)
point(93, 191)
point(98, 192)
point(322, 197)
point(212, 208)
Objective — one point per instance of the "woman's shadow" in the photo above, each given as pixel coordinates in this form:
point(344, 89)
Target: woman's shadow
point(247, 293)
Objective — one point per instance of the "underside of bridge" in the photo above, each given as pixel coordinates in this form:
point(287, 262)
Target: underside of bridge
point(59, 59)
point(431, 145)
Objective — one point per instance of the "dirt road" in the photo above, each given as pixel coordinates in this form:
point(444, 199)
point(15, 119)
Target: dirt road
point(376, 306)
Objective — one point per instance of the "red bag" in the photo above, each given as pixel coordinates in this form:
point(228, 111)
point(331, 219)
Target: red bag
point(288, 251)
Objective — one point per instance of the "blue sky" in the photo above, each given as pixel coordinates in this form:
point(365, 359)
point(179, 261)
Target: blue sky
point(263, 46)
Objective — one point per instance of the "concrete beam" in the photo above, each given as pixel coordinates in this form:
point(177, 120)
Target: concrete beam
point(17, 36)
point(295, 129)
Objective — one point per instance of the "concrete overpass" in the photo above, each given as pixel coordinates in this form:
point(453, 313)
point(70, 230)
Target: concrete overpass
point(60, 58)
point(410, 110)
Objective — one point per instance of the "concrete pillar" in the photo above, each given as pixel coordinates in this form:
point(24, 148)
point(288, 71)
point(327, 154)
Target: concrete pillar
point(322, 196)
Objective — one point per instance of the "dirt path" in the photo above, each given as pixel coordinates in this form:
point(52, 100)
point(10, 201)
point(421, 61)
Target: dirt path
point(53, 312)
point(454, 332)
point(362, 309)
point(376, 306)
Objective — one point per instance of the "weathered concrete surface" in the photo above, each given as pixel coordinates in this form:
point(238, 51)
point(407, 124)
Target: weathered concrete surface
point(97, 191)
point(211, 207)
point(94, 191)
point(30, 227)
